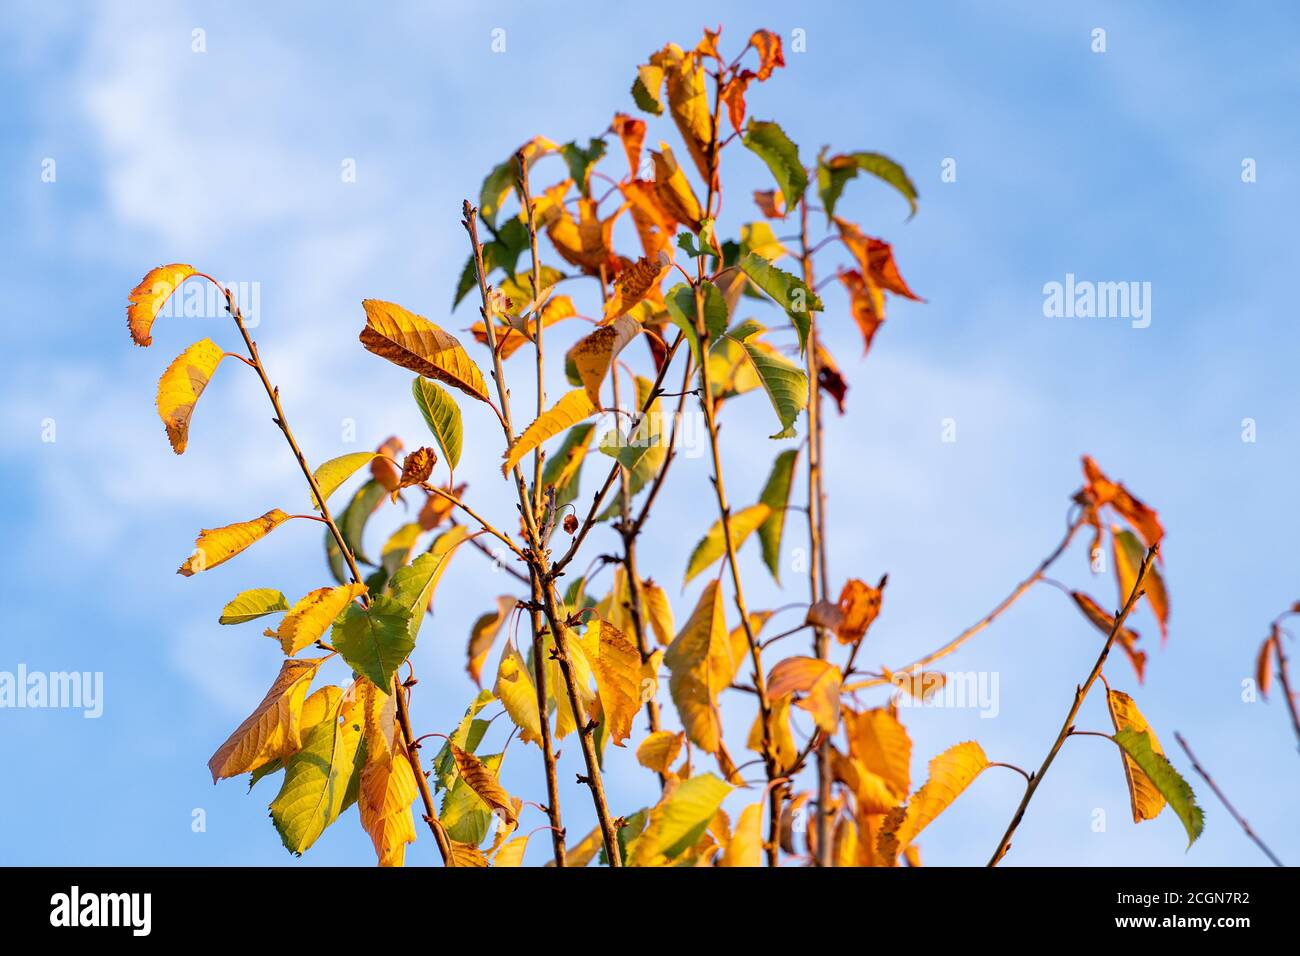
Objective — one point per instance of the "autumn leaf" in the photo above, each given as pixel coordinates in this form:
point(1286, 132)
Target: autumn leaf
point(319, 777)
point(272, 729)
point(467, 855)
point(769, 143)
point(484, 783)
point(1144, 797)
point(866, 305)
point(700, 665)
point(881, 743)
point(860, 603)
point(215, 546)
point(688, 102)
point(950, 773)
point(569, 410)
point(1264, 664)
point(374, 640)
point(564, 468)
point(1103, 491)
point(180, 387)
point(334, 472)
point(633, 285)
point(659, 750)
point(713, 545)
point(1126, 638)
point(417, 466)
point(672, 190)
point(383, 465)
point(467, 735)
point(745, 848)
point(787, 290)
point(631, 132)
point(483, 632)
point(770, 203)
point(768, 45)
point(387, 783)
point(659, 611)
point(681, 819)
point(871, 792)
point(412, 586)
point(312, 616)
point(415, 343)
point(834, 173)
point(617, 666)
point(1137, 746)
point(147, 299)
point(1129, 555)
point(875, 259)
point(594, 354)
point(782, 744)
point(818, 680)
point(518, 693)
point(250, 605)
point(733, 96)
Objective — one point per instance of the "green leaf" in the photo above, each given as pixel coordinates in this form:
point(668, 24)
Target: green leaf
point(352, 522)
point(374, 640)
point(464, 813)
point(646, 88)
point(680, 302)
point(496, 187)
point(769, 143)
point(317, 781)
point(466, 736)
point(785, 384)
point(502, 253)
point(714, 544)
point(398, 547)
point(776, 495)
point(788, 291)
point(758, 238)
point(334, 472)
point(581, 160)
point(412, 587)
point(708, 241)
point(250, 605)
point(564, 468)
point(1167, 780)
point(442, 415)
point(1130, 552)
point(686, 815)
point(833, 174)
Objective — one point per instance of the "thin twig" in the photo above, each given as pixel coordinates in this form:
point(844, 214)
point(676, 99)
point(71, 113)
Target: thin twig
point(1241, 821)
point(1080, 693)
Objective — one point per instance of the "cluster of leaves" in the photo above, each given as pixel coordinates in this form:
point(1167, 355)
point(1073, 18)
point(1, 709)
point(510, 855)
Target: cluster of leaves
point(596, 659)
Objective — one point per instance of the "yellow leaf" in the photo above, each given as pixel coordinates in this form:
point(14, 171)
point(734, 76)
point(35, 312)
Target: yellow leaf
point(688, 101)
point(673, 191)
point(950, 773)
point(387, 786)
point(593, 354)
point(714, 545)
point(1145, 799)
point(484, 632)
point(745, 848)
point(846, 849)
point(659, 610)
point(148, 298)
point(819, 680)
point(617, 666)
point(700, 664)
point(273, 729)
point(658, 751)
point(180, 387)
point(584, 851)
point(338, 470)
point(517, 692)
point(569, 410)
point(882, 744)
point(871, 791)
point(312, 616)
point(415, 343)
point(467, 855)
point(785, 750)
point(512, 852)
point(860, 604)
point(214, 546)
point(587, 242)
point(484, 782)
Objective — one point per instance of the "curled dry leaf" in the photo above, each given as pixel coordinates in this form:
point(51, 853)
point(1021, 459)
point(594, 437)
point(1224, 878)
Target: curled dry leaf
point(594, 354)
point(215, 546)
point(1126, 638)
point(570, 524)
point(659, 750)
point(866, 304)
point(382, 469)
point(770, 202)
point(1103, 491)
point(638, 282)
point(436, 509)
point(1264, 664)
point(180, 387)
point(860, 604)
point(147, 299)
point(673, 191)
point(631, 132)
point(770, 56)
point(875, 259)
point(824, 614)
point(417, 467)
point(484, 633)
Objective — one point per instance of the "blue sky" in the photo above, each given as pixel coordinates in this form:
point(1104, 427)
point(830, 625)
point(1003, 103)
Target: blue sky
point(1116, 166)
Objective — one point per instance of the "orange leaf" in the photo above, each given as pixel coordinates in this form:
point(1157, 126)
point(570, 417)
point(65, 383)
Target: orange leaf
point(1103, 491)
point(768, 45)
point(312, 616)
point(274, 727)
point(214, 546)
point(860, 603)
point(1145, 798)
point(180, 387)
point(819, 680)
point(415, 343)
point(631, 132)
